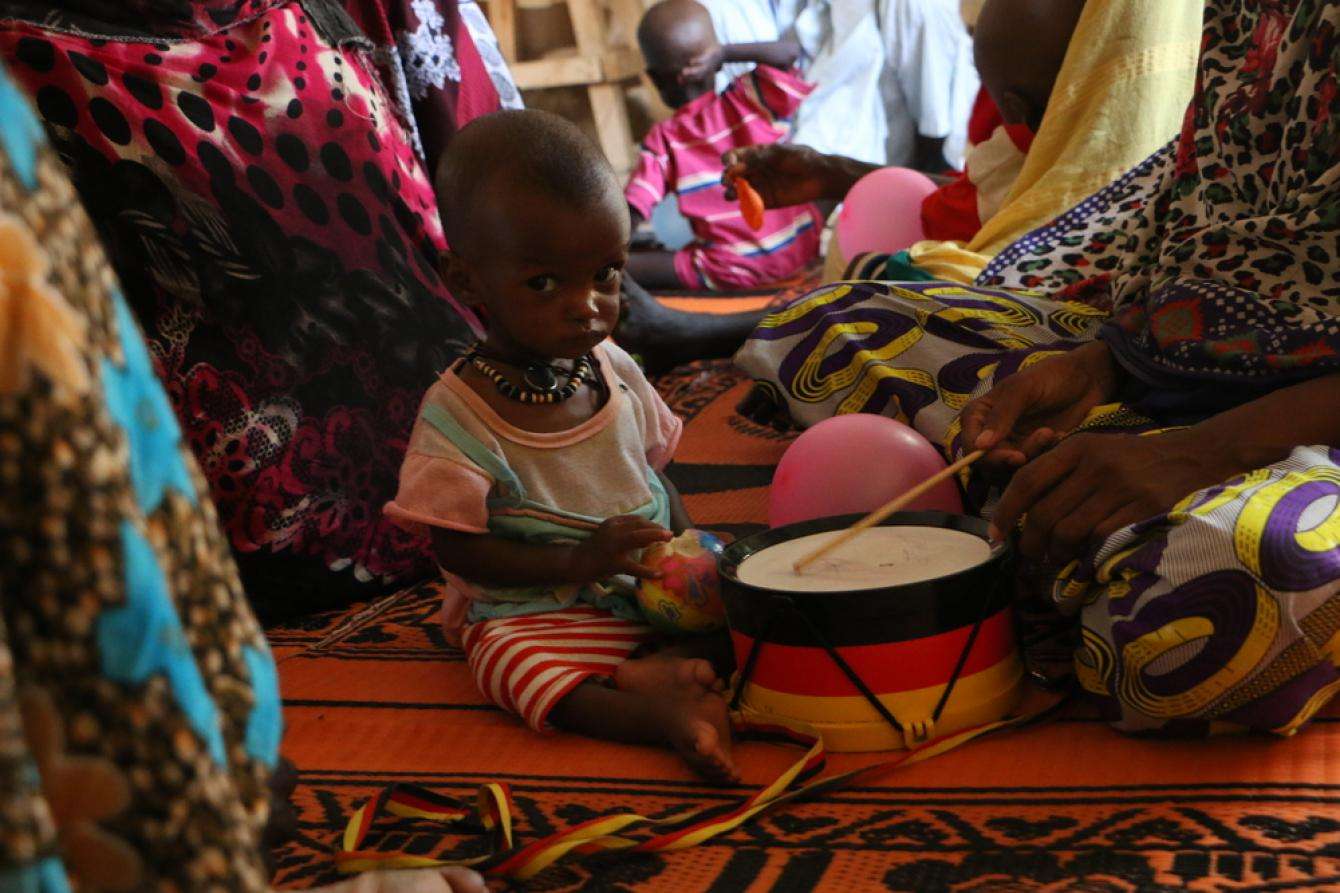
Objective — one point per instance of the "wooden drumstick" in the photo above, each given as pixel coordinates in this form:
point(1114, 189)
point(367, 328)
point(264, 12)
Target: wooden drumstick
point(887, 509)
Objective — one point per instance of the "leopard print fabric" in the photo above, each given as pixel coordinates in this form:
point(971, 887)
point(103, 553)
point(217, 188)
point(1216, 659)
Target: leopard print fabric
point(1220, 255)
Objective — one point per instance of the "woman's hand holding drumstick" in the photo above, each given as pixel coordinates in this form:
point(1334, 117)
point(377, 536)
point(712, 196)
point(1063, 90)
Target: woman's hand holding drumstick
point(885, 510)
point(1019, 419)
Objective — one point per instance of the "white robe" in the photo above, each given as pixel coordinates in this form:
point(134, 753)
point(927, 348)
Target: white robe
point(929, 80)
point(883, 69)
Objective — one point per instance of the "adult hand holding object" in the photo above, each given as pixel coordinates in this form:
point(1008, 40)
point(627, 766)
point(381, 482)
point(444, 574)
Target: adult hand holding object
point(751, 203)
point(786, 174)
point(1031, 410)
point(1092, 485)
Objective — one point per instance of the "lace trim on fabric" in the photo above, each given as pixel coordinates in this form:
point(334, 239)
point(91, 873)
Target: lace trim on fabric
point(427, 52)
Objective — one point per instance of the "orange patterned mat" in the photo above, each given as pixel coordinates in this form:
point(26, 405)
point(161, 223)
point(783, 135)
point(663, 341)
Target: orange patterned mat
point(1068, 805)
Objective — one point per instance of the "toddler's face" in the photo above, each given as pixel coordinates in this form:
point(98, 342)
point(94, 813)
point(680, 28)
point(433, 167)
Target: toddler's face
point(548, 273)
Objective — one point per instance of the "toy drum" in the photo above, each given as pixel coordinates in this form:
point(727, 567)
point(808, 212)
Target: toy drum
point(904, 634)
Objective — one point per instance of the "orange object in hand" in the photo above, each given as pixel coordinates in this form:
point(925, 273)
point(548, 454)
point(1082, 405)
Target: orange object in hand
point(751, 203)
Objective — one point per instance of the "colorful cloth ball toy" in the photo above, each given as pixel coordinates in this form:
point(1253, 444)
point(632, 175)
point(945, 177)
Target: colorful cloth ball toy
point(687, 597)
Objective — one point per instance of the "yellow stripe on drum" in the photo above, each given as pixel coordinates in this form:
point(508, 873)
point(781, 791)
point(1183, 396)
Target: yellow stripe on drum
point(851, 724)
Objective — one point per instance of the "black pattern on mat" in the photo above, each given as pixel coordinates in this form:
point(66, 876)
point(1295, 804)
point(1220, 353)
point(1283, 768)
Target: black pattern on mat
point(1245, 835)
point(1129, 839)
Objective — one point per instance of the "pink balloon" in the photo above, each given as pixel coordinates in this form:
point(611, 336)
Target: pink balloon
point(882, 212)
point(854, 464)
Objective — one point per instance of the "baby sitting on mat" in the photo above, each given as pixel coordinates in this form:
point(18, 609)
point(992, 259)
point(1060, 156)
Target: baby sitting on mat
point(683, 155)
point(535, 460)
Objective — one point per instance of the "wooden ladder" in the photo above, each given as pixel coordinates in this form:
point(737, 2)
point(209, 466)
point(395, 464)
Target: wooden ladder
point(594, 63)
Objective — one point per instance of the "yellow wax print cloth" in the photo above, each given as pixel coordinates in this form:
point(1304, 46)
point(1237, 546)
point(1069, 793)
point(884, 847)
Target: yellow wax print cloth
point(1121, 95)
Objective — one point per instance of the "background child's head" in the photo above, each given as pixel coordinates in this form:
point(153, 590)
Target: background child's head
point(1019, 46)
point(537, 229)
point(672, 34)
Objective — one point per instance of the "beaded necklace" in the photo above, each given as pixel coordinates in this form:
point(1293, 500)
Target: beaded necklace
point(539, 381)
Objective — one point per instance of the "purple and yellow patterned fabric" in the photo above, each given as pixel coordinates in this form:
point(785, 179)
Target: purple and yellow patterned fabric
point(1220, 615)
point(1216, 616)
point(1211, 271)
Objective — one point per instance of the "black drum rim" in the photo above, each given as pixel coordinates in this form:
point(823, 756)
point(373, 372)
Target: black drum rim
point(878, 615)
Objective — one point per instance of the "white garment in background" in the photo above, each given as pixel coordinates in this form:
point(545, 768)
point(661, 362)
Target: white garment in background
point(883, 71)
point(930, 80)
point(845, 114)
point(742, 21)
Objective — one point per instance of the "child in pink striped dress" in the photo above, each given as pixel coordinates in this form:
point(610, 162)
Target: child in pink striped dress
point(535, 460)
point(684, 155)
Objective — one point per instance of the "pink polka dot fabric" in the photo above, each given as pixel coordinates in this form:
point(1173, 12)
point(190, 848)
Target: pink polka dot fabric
point(261, 197)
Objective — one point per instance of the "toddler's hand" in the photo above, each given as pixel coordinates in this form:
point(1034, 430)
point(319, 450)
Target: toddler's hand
point(704, 65)
point(615, 546)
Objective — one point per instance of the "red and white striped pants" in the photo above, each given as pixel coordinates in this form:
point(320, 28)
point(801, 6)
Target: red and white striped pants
point(528, 664)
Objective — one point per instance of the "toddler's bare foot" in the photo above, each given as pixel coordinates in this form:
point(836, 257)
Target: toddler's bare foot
point(698, 726)
point(664, 700)
point(658, 674)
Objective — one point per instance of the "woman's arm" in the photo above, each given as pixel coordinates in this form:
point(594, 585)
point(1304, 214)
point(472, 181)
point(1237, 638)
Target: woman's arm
point(1268, 428)
point(1092, 485)
point(786, 174)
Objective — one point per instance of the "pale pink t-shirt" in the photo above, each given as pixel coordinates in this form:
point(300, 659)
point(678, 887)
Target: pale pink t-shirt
point(572, 479)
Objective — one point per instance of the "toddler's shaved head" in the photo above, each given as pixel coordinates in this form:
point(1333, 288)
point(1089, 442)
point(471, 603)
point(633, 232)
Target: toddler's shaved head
point(530, 151)
point(1020, 46)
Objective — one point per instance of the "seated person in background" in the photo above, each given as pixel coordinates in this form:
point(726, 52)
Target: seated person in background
point(1019, 46)
point(996, 153)
point(683, 155)
point(535, 460)
point(894, 79)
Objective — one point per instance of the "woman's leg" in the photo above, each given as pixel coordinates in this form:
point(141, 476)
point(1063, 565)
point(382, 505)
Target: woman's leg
point(675, 704)
point(663, 338)
point(917, 352)
point(1222, 615)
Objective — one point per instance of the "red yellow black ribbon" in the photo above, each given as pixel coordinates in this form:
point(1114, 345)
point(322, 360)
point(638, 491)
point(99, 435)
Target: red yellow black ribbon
point(629, 831)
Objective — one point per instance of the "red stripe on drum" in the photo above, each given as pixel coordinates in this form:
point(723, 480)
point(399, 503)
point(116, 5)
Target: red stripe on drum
point(885, 668)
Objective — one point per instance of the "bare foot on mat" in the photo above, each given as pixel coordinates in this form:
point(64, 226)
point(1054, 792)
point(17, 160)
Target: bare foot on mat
point(658, 673)
point(692, 719)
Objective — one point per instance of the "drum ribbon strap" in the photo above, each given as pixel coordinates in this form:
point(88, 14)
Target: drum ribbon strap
point(493, 810)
